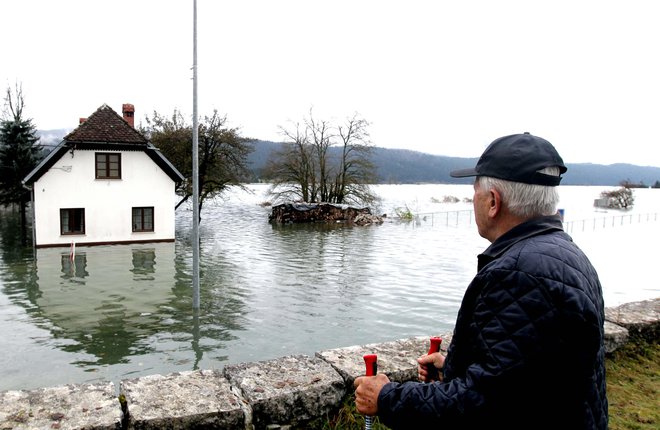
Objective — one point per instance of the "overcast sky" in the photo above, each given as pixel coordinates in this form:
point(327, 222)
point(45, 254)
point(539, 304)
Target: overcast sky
point(443, 77)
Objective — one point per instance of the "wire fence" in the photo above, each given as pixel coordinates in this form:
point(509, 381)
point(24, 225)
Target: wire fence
point(448, 218)
point(465, 218)
point(609, 221)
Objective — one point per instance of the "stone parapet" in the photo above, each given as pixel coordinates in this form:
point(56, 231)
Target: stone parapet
point(185, 400)
point(398, 359)
point(639, 318)
point(615, 337)
point(66, 407)
point(292, 389)
point(283, 393)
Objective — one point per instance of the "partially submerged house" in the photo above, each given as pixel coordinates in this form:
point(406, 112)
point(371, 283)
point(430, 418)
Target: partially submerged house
point(104, 183)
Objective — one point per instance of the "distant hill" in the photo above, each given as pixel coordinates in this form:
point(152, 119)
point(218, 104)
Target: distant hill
point(403, 166)
point(51, 138)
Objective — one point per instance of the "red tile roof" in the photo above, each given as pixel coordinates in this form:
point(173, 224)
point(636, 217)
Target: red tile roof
point(104, 129)
point(105, 125)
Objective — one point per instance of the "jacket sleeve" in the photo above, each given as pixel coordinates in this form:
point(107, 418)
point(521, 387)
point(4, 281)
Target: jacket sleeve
point(413, 404)
point(508, 327)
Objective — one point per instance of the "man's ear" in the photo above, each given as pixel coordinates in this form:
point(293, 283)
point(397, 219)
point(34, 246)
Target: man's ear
point(495, 206)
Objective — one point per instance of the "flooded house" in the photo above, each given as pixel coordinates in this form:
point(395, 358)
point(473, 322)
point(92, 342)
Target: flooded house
point(104, 183)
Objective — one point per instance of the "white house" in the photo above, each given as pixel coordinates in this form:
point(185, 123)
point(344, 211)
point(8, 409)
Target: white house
point(103, 184)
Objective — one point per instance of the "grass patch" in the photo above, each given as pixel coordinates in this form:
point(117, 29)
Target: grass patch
point(347, 418)
point(633, 390)
point(405, 214)
point(633, 386)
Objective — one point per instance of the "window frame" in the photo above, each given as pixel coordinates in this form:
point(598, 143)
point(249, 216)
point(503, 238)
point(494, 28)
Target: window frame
point(105, 173)
point(71, 221)
point(142, 210)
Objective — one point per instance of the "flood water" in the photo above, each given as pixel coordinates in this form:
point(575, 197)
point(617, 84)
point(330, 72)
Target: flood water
point(267, 291)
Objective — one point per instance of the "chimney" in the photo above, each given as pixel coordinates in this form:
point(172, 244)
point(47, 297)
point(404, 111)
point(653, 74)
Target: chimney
point(81, 120)
point(128, 110)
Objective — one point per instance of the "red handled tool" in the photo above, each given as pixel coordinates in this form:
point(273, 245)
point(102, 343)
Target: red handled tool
point(371, 363)
point(430, 368)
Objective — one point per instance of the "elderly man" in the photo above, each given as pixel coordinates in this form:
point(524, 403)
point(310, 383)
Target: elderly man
point(527, 350)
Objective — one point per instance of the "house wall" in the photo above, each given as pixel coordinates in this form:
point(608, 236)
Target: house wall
point(107, 202)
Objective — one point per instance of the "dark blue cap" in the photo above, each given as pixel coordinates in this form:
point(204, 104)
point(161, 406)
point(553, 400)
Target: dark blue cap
point(517, 158)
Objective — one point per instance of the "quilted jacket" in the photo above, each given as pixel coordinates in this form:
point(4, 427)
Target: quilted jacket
point(527, 350)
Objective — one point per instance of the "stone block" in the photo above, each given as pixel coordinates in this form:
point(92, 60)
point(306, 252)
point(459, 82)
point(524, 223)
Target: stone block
point(615, 336)
point(640, 318)
point(397, 359)
point(184, 400)
point(287, 390)
point(65, 407)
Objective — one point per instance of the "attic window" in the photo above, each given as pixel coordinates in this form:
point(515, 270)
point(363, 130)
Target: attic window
point(108, 165)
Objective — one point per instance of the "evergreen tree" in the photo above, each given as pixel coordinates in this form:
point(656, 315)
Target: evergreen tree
point(19, 152)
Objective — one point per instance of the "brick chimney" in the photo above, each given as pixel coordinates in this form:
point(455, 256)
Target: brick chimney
point(129, 111)
point(81, 120)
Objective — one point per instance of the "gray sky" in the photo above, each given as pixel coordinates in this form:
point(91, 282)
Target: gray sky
point(443, 77)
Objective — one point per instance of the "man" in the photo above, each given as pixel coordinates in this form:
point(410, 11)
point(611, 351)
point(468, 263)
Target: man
point(527, 350)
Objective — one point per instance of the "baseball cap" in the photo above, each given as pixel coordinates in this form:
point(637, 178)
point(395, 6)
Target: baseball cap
point(517, 158)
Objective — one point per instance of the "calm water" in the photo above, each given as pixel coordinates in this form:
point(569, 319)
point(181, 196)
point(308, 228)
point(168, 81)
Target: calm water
point(267, 291)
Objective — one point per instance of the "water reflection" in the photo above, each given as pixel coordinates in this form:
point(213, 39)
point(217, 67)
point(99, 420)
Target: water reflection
point(74, 267)
point(109, 304)
point(144, 264)
point(93, 300)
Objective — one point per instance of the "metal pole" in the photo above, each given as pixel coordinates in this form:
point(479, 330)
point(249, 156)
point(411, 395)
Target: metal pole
point(195, 168)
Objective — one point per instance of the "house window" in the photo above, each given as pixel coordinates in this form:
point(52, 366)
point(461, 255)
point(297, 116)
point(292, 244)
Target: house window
point(72, 221)
point(108, 165)
point(143, 219)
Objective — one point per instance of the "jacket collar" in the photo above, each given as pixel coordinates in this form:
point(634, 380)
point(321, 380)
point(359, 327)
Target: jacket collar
point(527, 229)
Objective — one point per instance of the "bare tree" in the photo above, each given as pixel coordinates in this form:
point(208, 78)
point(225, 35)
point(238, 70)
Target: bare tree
point(356, 171)
point(293, 167)
point(322, 162)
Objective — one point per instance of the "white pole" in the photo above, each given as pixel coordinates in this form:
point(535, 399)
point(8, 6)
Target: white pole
point(195, 167)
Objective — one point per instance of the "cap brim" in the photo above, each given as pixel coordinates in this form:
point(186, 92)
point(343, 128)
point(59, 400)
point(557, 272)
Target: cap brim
point(463, 173)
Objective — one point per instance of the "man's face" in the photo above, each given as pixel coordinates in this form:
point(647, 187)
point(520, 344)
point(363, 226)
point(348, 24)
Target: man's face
point(481, 202)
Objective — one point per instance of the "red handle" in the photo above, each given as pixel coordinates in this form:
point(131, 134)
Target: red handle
point(435, 344)
point(435, 347)
point(371, 363)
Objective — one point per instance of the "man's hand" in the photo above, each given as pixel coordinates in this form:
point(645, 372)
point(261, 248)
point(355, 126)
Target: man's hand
point(367, 389)
point(436, 360)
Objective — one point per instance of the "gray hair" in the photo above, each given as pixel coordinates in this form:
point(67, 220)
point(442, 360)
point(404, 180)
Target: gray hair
point(525, 200)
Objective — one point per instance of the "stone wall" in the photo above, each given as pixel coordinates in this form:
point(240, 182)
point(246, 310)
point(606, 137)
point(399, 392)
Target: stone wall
point(276, 394)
